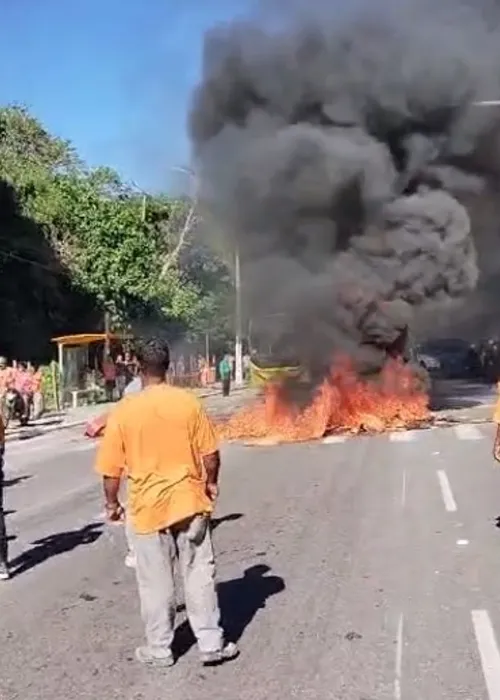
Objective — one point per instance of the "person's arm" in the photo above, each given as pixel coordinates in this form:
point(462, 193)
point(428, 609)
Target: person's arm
point(211, 465)
point(496, 445)
point(109, 464)
point(206, 445)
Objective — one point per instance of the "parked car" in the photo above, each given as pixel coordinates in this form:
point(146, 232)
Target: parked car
point(450, 358)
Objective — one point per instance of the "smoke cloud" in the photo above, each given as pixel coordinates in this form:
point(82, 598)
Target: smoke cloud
point(332, 151)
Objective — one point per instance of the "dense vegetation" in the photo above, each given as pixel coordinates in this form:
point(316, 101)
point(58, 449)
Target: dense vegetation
point(76, 242)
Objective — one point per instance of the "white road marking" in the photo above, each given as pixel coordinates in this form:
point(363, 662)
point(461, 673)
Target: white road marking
point(446, 492)
point(402, 436)
point(334, 439)
point(462, 543)
point(488, 651)
point(399, 659)
point(468, 432)
point(403, 490)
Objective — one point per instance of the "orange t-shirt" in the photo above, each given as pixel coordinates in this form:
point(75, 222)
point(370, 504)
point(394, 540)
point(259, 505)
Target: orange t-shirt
point(159, 437)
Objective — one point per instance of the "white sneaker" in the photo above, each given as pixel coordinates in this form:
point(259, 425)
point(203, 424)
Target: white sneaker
point(4, 571)
point(130, 561)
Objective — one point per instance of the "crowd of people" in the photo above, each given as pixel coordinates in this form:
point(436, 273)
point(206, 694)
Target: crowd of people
point(26, 380)
point(193, 370)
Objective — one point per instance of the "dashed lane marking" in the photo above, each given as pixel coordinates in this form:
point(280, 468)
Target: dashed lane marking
point(468, 432)
point(488, 652)
point(403, 436)
point(446, 492)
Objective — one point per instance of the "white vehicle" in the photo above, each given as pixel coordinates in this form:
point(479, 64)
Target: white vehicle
point(429, 362)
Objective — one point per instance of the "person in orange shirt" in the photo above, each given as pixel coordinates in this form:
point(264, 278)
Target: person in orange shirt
point(164, 441)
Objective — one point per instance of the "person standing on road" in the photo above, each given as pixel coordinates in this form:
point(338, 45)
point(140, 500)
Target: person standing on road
point(23, 384)
point(4, 559)
point(109, 372)
point(167, 444)
point(225, 372)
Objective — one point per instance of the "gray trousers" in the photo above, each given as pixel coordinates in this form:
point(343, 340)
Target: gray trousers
point(191, 543)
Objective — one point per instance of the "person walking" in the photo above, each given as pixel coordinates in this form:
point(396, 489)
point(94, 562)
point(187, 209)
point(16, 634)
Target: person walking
point(109, 372)
point(4, 559)
point(225, 372)
point(164, 439)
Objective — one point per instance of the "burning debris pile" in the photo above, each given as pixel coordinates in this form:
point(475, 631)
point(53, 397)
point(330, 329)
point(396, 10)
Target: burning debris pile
point(343, 403)
point(329, 150)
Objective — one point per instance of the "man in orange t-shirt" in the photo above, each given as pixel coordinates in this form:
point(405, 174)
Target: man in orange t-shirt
point(166, 443)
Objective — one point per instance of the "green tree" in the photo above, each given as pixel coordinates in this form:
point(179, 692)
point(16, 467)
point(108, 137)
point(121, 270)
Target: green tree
point(81, 241)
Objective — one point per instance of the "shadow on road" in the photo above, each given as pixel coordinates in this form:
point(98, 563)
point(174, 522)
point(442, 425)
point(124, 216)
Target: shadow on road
point(230, 518)
point(16, 480)
point(240, 599)
point(53, 545)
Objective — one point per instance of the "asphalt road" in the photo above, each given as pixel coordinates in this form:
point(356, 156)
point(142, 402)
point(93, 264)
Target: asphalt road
point(357, 569)
point(461, 393)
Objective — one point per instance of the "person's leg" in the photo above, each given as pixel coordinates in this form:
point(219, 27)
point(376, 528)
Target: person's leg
point(225, 386)
point(197, 565)
point(4, 553)
point(130, 559)
point(129, 534)
point(155, 579)
point(37, 405)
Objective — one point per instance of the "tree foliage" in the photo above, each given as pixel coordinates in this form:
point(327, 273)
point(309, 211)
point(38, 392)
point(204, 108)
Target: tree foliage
point(76, 241)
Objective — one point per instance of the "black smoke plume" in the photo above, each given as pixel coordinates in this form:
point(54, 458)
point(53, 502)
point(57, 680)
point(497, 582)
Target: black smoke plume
point(331, 149)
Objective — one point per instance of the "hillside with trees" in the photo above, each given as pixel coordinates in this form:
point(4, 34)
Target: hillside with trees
point(77, 242)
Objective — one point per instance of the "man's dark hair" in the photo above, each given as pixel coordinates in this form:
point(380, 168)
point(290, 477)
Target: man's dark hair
point(153, 355)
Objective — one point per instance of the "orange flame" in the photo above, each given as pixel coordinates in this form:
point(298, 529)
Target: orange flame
point(343, 403)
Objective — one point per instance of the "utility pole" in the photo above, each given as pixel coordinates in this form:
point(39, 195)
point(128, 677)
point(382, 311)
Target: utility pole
point(107, 331)
point(238, 345)
point(207, 348)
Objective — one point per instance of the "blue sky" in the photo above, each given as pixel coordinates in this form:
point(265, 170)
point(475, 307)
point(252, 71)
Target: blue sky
point(113, 76)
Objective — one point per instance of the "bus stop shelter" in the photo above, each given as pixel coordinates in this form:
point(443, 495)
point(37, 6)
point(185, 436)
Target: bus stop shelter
point(73, 356)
